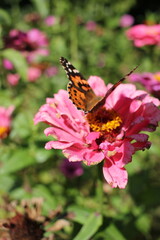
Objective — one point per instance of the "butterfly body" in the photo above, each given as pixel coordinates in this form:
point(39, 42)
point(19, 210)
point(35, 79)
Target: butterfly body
point(81, 93)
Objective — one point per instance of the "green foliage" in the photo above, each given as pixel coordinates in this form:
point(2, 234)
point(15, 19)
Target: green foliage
point(4, 17)
point(18, 61)
point(42, 7)
point(27, 170)
point(90, 227)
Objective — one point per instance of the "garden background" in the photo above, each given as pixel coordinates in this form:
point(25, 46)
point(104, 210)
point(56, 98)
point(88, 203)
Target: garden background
point(91, 35)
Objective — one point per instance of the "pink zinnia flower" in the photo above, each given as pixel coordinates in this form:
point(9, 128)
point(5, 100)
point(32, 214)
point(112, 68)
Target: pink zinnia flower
point(5, 121)
point(33, 74)
point(38, 42)
point(144, 34)
point(112, 133)
point(71, 169)
point(126, 20)
point(31, 44)
point(7, 64)
point(91, 26)
point(50, 20)
point(51, 71)
point(151, 81)
point(16, 39)
point(13, 79)
point(35, 36)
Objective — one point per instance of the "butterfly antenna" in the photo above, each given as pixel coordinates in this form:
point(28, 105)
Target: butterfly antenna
point(117, 84)
point(127, 75)
point(120, 81)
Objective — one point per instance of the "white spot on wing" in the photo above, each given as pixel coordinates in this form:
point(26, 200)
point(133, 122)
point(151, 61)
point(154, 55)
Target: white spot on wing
point(75, 71)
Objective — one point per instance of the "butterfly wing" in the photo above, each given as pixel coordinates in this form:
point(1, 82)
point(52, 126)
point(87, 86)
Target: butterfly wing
point(80, 91)
point(78, 88)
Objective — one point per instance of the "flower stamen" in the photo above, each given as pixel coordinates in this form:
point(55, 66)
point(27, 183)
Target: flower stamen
point(104, 121)
point(4, 131)
point(157, 76)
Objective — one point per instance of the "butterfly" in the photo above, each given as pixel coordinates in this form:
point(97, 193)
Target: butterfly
point(81, 93)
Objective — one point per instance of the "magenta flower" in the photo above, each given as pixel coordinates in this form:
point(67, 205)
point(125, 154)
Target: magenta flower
point(126, 20)
point(7, 64)
point(31, 44)
point(38, 42)
point(91, 26)
point(16, 39)
point(51, 71)
point(13, 79)
point(50, 20)
point(33, 74)
point(144, 34)
point(71, 169)
point(112, 133)
point(5, 121)
point(151, 81)
point(35, 36)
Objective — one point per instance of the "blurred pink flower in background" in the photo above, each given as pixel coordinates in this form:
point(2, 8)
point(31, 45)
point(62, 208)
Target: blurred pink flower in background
point(50, 20)
point(144, 34)
point(5, 121)
point(16, 39)
point(33, 74)
point(13, 79)
point(71, 169)
point(112, 133)
point(31, 44)
point(91, 26)
point(51, 71)
point(7, 64)
point(126, 20)
point(37, 38)
point(151, 81)
point(38, 42)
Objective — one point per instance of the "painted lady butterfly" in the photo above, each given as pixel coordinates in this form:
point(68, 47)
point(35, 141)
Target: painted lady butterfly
point(80, 91)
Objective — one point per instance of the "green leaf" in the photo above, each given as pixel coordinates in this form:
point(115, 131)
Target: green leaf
point(49, 200)
point(42, 155)
point(93, 222)
point(113, 233)
point(143, 223)
point(80, 214)
point(6, 183)
point(4, 17)
point(18, 61)
point(19, 160)
point(22, 126)
point(42, 7)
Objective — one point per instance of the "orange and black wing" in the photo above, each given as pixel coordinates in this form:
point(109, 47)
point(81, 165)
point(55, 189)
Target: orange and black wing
point(78, 88)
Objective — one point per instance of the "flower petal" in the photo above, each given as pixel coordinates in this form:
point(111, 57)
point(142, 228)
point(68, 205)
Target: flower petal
point(115, 176)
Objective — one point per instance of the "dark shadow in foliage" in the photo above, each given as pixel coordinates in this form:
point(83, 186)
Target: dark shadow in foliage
point(140, 9)
point(145, 192)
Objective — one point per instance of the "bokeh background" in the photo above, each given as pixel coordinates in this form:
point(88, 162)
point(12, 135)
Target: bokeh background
point(92, 35)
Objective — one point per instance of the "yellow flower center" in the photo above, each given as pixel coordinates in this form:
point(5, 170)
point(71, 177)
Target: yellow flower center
point(157, 76)
point(107, 122)
point(4, 132)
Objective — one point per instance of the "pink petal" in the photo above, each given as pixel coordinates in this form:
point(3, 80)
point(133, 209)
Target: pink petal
point(78, 152)
point(57, 145)
point(124, 154)
point(98, 85)
point(115, 176)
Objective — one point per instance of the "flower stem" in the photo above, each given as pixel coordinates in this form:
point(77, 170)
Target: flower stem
point(99, 189)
